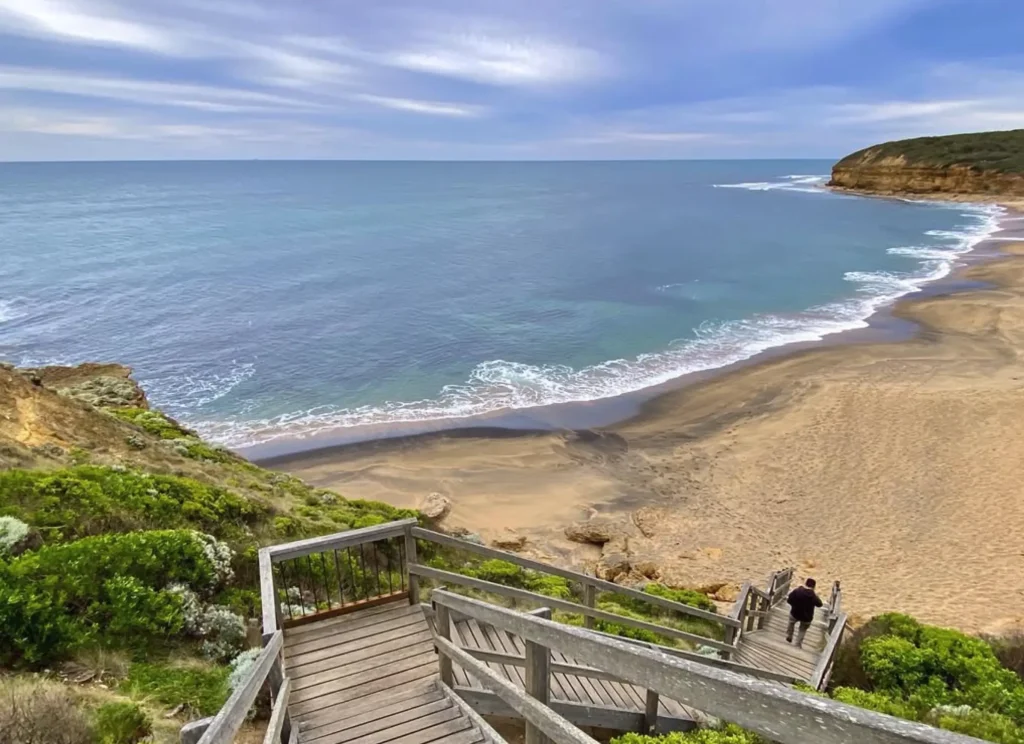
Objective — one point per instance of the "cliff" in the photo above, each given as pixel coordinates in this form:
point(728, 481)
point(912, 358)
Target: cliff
point(986, 163)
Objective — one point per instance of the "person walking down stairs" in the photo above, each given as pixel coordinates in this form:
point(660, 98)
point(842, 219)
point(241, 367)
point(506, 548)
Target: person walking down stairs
point(802, 602)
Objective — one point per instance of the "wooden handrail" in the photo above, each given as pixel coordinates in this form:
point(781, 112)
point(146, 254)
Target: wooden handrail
point(533, 711)
point(824, 666)
point(338, 540)
point(448, 577)
point(605, 586)
point(225, 725)
point(583, 671)
point(775, 711)
point(268, 596)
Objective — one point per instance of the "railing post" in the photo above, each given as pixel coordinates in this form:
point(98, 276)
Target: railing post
point(730, 638)
point(752, 599)
point(442, 620)
point(538, 677)
point(651, 712)
point(590, 600)
point(410, 557)
point(766, 606)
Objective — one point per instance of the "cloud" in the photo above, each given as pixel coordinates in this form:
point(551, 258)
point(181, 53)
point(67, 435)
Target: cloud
point(79, 22)
point(500, 60)
point(150, 92)
point(432, 108)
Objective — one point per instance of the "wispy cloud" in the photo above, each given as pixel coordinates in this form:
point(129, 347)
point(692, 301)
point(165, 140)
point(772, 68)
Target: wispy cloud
point(150, 92)
point(500, 60)
point(433, 108)
point(80, 22)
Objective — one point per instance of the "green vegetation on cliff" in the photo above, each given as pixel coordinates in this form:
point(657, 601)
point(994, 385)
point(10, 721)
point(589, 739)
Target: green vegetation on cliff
point(999, 152)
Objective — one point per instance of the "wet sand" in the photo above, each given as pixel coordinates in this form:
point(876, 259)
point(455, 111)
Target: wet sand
point(896, 467)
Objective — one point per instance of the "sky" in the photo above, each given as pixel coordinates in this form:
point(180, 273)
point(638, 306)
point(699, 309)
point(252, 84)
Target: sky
point(499, 79)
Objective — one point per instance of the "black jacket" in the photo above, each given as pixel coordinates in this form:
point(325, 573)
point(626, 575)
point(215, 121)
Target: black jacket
point(802, 602)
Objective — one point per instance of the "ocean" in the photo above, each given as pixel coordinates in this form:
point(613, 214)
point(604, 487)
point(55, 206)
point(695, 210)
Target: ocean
point(271, 301)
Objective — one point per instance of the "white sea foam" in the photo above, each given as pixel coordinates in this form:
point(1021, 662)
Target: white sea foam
point(505, 385)
point(185, 393)
point(800, 183)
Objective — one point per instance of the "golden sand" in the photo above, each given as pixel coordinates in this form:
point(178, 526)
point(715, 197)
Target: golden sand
point(895, 467)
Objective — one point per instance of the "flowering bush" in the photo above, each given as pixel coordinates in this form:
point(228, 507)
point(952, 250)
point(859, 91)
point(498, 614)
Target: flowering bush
point(12, 532)
point(111, 589)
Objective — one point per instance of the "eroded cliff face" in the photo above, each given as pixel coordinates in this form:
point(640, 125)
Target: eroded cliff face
point(897, 176)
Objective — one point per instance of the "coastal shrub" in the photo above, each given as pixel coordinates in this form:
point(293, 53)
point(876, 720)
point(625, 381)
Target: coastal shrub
point(689, 597)
point(152, 422)
point(91, 500)
point(337, 515)
point(989, 726)
point(121, 723)
point(109, 589)
point(681, 621)
point(41, 712)
point(12, 532)
point(926, 673)
point(728, 734)
point(201, 688)
point(874, 701)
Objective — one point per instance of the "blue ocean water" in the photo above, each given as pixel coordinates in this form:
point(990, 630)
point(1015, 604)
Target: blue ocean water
point(260, 300)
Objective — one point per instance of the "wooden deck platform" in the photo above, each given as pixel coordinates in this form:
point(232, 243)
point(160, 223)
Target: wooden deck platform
point(767, 648)
point(372, 677)
point(586, 701)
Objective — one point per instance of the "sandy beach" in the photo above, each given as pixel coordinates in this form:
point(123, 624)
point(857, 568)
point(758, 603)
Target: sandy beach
point(894, 467)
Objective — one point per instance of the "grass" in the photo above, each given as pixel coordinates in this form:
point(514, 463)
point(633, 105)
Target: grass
point(201, 688)
point(1000, 152)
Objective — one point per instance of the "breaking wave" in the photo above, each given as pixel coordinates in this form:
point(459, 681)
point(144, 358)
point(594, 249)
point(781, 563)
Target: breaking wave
point(501, 384)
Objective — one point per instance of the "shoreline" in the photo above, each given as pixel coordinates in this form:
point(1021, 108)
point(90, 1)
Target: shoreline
point(882, 325)
point(891, 465)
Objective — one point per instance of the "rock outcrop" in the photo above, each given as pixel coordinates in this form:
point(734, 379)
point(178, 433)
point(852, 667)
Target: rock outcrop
point(435, 507)
point(984, 164)
point(100, 385)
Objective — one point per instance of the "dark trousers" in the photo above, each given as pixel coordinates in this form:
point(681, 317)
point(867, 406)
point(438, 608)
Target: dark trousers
point(800, 632)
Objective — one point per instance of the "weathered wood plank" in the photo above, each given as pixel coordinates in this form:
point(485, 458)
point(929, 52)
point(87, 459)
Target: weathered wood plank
point(448, 577)
point(489, 734)
point(400, 694)
point(417, 637)
point(370, 675)
point(488, 703)
point(410, 557)
point(381, 710)
point(828, 655)
point(366, 616)
point(443, 628)
point(344, 636)
point(226, 723)
point(278, 714)
point(651, 712)
point(347, 610)
point(592, 581)
point(538, 674)
point(449, 713)
point(772, 710)
point(268, 596)
point(338, 540)
point(339, 676)
point(452, 732)
point(344, 732)
point(553, 726)
point(425, 671)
